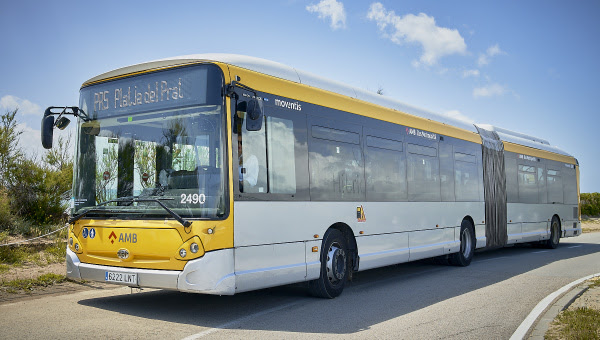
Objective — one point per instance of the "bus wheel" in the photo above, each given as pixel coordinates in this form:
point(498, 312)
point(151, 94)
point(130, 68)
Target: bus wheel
point(467, 246)
point(334, 266)
point(552, 243)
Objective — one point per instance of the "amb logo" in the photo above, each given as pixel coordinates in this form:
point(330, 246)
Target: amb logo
point(123, 237)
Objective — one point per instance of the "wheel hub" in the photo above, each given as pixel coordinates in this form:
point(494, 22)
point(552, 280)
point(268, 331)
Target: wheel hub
point(336, 264)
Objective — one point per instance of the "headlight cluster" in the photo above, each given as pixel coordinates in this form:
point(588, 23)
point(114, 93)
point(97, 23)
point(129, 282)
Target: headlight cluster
point(194, 247)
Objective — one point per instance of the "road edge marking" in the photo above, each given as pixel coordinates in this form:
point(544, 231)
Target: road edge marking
point(541, 307)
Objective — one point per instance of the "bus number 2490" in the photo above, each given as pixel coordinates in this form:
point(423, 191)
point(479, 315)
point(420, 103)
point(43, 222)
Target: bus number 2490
point(195, 199)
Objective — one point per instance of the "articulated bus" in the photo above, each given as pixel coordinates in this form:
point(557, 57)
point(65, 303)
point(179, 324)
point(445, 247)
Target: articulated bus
point(220, 174)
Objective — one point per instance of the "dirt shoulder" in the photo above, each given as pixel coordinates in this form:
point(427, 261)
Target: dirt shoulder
point(590, 225)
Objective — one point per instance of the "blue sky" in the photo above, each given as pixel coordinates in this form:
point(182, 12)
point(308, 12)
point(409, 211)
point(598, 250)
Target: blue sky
point(528, 66)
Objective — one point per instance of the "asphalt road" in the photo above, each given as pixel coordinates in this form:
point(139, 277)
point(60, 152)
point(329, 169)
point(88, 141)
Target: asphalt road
point(488, 299)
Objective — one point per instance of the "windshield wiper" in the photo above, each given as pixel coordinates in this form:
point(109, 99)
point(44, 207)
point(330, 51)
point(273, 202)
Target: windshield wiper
point(134, 199)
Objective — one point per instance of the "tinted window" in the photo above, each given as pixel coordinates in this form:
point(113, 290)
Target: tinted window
point(466, 179)
point(555, 186)
point(512, 184)
point(423, 175)
point(528, 188)
point(385, 171)
point(281, 158)
point(336, 168)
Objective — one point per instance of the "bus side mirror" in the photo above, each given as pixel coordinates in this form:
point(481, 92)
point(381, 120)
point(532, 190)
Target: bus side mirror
point(47, 131)
point(254, 115)
point(62, 123)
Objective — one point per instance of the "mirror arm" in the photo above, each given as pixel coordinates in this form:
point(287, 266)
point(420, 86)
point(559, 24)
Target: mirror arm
point(231, 89)
point(74, 110)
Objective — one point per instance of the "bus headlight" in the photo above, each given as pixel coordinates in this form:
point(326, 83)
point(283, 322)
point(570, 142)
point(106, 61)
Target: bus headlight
point(194, 248)
point(182, 252)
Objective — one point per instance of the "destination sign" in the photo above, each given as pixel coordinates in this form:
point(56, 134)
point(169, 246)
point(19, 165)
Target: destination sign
point(165, 89)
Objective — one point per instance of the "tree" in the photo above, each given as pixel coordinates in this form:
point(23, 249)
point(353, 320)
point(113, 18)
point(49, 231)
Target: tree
point(10, 152)
point(30, 189)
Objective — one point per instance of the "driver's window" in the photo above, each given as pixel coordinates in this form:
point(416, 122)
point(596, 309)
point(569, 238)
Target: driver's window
point(252, 159)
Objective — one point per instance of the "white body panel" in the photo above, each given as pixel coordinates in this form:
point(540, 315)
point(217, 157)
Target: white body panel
point(531, 222)
point(273, 241)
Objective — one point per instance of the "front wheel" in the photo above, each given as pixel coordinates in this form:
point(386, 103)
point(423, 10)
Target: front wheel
point(467, 246)
point(334, 266)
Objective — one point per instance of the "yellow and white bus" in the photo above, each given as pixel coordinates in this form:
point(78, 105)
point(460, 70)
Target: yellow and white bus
point(326, 180)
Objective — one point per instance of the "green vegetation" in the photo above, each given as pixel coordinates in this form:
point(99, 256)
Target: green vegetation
point(31, 188)
point(590, 204)
point(581, 323)
point(28, 285)
point(38, 254)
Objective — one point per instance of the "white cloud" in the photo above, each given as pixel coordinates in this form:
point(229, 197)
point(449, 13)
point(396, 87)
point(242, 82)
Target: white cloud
point(484, 58)
point(421, 29)
point(331, 9)
point(30, 141)
point(490, 90)
point(460, 116)
point(26, 107)
point(470, 73)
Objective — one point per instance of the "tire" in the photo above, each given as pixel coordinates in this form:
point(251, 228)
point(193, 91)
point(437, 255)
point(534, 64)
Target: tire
point(467, 246)
point(334, 266)
point(552, 243)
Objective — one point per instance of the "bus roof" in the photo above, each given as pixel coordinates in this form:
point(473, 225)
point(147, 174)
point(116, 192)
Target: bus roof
point(282, 71)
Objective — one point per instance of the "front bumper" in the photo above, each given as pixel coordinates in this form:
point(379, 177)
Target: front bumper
point(211, 274)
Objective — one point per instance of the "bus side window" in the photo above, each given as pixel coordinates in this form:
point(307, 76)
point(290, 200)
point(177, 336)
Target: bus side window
point(385, 167)
point(555, 186)
point(281, 155)
point(336, 165)
point(423, 173)
point(252, 158)
point(466, 178)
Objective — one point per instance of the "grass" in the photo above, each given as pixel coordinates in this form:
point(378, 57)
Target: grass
point(39, 254)
point(51, 249)
point(27, 285)
point(581, 323)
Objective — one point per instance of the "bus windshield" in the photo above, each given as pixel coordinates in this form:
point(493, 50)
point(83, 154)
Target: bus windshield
point(165, 141)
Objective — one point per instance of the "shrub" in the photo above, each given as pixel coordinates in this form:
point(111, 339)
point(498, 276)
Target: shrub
point(590, 204)
point(6, 216)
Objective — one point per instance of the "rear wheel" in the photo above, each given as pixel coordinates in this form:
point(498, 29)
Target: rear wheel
point(467, 246)
point(334, 266)
point(552, 243)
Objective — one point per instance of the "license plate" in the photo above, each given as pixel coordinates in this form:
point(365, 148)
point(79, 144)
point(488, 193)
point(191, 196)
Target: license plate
point(126, 278)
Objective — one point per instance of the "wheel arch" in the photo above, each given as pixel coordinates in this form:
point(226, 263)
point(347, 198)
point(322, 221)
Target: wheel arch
point(469, 219)
point(559, 224)
point(348, 233)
